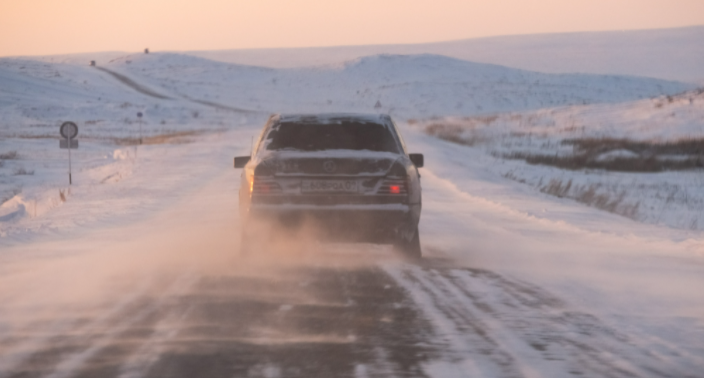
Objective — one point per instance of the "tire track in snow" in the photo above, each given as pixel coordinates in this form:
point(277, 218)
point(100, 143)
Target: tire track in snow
point(562, 332)
point(69, 351)
point(523, 298)
point(148, 354)
point(72, 364)
point(500, 327)
point(10, 360)
point(472, 350)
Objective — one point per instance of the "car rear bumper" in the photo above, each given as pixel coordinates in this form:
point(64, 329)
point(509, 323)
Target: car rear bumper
point(345, 222)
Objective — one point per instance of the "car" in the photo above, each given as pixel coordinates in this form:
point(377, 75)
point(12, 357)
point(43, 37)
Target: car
point(349, 175)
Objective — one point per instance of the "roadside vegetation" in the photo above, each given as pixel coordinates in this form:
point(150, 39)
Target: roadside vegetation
point(623, 155)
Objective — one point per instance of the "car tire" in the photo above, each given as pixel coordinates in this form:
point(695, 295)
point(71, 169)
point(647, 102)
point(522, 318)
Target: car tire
point(410, 248)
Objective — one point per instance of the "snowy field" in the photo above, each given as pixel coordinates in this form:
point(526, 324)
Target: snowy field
point(134, 271)
point(640, 159)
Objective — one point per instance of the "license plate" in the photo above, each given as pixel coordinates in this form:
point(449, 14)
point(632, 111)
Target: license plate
point(335, 186)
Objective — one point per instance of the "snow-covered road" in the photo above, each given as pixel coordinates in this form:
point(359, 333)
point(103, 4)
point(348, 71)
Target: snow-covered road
point(514, 284)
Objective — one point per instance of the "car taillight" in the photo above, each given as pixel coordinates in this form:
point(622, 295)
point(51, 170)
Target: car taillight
point(265, 186)
point(393, 186)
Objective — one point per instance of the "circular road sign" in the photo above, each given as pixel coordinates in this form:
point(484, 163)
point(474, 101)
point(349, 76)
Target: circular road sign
point(68, 130)
point(139, 114)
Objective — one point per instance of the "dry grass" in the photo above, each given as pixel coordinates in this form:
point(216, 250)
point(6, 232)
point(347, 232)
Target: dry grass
point(167, 138)
point(36, 136)
point(450, 133)
point(590, 146)
point(592, 196)
point(649, 164)
point(651, 156)
point(10, 155)
point(21, 171)
point(464, 135)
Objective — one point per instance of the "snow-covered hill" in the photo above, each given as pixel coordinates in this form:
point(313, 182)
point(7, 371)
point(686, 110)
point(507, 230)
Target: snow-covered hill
point(672, 54)
point(404, 86)
point(668, 54)
point(170, 88)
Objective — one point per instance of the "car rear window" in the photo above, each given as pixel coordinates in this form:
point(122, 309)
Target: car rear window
point(344, 135)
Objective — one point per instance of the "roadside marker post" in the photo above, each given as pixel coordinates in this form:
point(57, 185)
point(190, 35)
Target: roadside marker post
point(139, 117)
point(68, 131)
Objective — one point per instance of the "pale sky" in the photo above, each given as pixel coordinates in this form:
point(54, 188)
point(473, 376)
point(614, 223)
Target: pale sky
point(42, 27)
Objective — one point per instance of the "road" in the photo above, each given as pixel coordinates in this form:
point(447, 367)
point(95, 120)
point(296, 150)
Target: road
point(170, 296)
point(132, 84)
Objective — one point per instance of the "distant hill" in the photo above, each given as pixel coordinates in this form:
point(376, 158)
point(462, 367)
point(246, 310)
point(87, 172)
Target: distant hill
point(670, 54)
point(175, 86)
point(405, 85)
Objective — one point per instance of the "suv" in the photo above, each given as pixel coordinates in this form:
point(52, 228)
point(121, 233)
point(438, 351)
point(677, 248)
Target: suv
point(348, 174)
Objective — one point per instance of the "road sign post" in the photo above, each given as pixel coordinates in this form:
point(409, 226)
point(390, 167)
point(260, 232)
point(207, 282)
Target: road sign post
point(68, 131)
point(139, 117)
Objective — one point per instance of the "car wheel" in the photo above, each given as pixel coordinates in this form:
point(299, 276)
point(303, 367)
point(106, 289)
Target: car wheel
point(409, 248)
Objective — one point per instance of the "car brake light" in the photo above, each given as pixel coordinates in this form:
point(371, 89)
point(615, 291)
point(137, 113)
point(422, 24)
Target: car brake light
point(265, 186)
point(393, 186)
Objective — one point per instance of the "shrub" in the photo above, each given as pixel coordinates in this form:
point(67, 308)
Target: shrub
point(23, 172)
point(11, 155)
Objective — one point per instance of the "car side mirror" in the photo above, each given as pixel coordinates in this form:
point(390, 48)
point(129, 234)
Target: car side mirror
point(241, 161)
point(417, 160)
